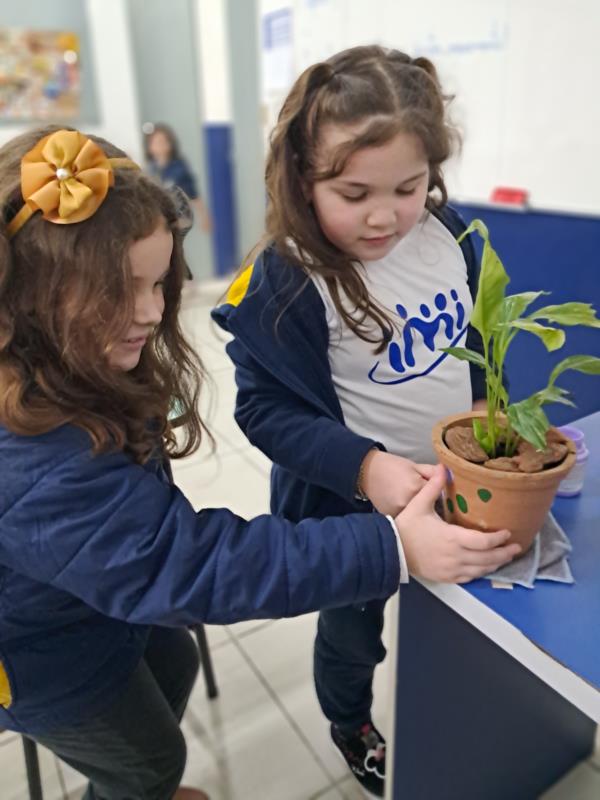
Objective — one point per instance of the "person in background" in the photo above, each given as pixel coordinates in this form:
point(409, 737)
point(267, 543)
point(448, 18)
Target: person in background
point(165, 162)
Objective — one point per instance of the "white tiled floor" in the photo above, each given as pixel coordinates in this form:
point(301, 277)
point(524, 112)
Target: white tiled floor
point(264, 738)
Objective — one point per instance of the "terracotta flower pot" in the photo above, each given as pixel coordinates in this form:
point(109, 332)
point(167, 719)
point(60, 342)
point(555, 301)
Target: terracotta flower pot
point(488, 500)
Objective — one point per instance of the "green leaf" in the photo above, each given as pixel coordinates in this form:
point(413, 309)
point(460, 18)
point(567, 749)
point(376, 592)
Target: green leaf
point(515, 304)
point(588, 364)
point(498, 388)
point(482, 436)
point(464, 354)
point(490, 293)
point(553, 338)
point(492, 282)
point(529, 421)
point(554, 394)
point(569, 314)
point(476, 225)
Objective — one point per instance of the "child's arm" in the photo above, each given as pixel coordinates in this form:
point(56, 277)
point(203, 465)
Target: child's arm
point(390, 482)
point(132, 547)
point(293, 433)
point(316, 447)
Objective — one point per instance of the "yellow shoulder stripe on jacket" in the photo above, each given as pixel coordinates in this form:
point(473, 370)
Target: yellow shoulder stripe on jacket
point(5, 693)
point(237, 290)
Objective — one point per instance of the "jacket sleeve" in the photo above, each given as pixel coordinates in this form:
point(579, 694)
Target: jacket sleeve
point(184, 178)
point(132, 547)
point(294, 434)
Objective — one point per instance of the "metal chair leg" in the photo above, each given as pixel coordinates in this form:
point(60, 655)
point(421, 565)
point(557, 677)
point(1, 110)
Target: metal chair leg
point(32, 766)
point(206, 661)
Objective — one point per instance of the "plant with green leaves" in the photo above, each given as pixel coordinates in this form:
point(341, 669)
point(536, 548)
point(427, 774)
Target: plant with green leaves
point(499, 317)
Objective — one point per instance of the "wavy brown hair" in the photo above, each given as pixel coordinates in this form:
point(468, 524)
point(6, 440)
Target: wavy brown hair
point(66, 298)
point(391, 93)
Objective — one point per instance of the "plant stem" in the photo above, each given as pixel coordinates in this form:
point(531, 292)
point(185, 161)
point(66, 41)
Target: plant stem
point(492, 399)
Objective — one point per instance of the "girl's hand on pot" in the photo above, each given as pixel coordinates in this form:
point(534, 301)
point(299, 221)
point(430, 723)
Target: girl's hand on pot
point(390, 482)
point(448, 553)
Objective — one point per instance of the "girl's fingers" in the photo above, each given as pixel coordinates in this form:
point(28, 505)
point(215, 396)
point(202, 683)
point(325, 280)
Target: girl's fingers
point(489, 560)
point(430, 492)
point(476, 540)
point(426, 471)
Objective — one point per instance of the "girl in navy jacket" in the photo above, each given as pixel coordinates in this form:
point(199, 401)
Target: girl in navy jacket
point(338, 326)
point(103, 562)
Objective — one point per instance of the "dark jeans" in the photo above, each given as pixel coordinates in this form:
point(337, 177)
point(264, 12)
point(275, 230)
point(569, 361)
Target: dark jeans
point(348, 647)
point(134, 750)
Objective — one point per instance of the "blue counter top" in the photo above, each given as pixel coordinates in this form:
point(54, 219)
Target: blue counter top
point(564, 620)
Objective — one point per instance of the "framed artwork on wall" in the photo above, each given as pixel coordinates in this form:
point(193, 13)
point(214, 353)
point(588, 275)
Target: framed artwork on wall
point(40, 75)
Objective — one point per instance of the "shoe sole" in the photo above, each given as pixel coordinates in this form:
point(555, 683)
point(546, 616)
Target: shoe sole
point(366, 792)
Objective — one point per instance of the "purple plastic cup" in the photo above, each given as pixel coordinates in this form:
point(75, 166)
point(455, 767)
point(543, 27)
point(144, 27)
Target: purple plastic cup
point(572, 485)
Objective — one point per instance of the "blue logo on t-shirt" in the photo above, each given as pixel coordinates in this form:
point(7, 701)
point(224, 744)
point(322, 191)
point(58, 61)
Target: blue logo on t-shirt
point(401, 356)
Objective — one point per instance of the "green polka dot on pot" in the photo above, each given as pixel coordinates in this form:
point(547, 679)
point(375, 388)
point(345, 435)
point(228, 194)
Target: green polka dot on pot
point(484, 495)
point(450, 505)
point(462, 503)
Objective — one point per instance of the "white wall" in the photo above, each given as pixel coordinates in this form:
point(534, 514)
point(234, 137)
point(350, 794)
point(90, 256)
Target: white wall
point(214, 77)
point(115, 83)
point(524, 73)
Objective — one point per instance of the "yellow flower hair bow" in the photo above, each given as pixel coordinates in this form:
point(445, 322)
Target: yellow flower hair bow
point(66, 176)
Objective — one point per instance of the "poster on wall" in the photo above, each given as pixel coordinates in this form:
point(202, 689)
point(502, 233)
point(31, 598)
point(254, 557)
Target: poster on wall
point(277, 63)
point(40, 76)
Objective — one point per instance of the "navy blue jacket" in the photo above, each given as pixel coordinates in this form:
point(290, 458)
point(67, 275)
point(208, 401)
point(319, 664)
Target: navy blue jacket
point(176, 173)
point(286, 402)
point(94, 549)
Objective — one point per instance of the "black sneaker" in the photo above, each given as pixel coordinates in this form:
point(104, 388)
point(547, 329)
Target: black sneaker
point(364, 752)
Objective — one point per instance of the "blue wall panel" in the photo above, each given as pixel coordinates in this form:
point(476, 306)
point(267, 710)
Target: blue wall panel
point(217, 146)
point(558, 253)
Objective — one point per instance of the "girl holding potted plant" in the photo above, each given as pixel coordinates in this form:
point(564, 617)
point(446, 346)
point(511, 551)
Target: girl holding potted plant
point(337, 327)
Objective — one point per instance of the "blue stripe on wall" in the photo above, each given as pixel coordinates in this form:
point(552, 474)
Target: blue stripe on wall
point(218, 149)
point(558, 253)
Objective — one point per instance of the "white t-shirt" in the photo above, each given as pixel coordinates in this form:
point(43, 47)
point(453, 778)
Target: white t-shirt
point(397, 396)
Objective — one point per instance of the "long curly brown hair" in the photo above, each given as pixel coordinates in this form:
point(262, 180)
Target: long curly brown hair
point(66, 298)
point(391, 93)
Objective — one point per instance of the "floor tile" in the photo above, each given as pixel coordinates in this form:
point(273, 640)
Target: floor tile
point(595, 759)
point(233, 481)
point(206, 337)
point(74, 782)
point(214, 360)
point(217, 406)
point(217, 399)
point(216, 635)
point(196, 319)
point(582, 783)
point(8, 738)
point(331, 793)
point(207, 293)
point(240, 746)
point(13, 777)
point(349, 789)
point(240, 630)
point(259, 460)
point(283, 655)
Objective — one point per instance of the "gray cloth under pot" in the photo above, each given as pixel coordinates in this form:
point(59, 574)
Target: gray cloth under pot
point(545, 561)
